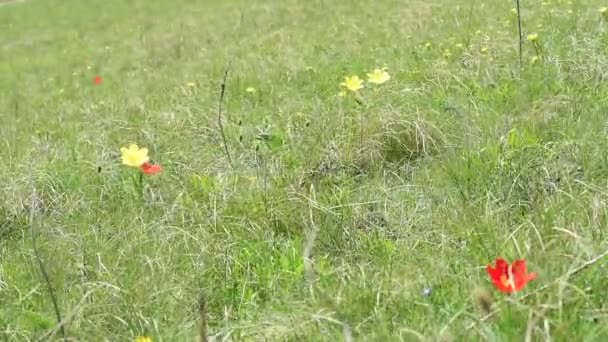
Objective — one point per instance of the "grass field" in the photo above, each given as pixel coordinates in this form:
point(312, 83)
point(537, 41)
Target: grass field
point(365, 216)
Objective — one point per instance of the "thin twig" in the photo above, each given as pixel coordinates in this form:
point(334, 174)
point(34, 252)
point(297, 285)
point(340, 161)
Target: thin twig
point(43, 271)
point(310, 240)
point(203, 329)
point(51, 334)
point(470, 19)
point(262, 173)
point(520, 34)
point(219, 113)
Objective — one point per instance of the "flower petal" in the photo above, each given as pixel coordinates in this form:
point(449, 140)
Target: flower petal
point(498, 282)
point(150, 169)
point(519, 267)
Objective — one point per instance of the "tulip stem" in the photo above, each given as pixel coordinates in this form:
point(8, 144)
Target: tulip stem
point(138, 182)
point(361, 103)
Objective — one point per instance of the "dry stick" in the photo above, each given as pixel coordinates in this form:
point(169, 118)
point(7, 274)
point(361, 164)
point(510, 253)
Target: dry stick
point(202, 311)
point(219, 113)
point(262, 173)
point(347, 331)
point(49, 336)
point(520, 34)
point(310, 240)
point(42, 268)
point(566, 276)
point(470, 19)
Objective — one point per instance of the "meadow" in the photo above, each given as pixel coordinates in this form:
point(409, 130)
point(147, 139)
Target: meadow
point(307, 208)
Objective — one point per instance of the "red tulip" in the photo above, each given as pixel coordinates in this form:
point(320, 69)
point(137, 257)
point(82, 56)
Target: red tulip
point(510, 278)
point(150, 169)
point(97, 79)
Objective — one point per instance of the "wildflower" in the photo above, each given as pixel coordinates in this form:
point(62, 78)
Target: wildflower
point(427, 291)
point(514, 10)
point(510, 278)
point(484, 50)
point(378, 76)
point(250, 90)
point(191, 84)
point(603, 10)
point(134, 156)
point(143, 339)
point(353, 83)
point(532, 37)
point(97, 79)
point(534, 59)
point(427, 45)
point(150, 169)
point(459, 45)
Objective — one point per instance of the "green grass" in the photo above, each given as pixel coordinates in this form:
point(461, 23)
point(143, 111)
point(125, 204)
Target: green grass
point(458, 159)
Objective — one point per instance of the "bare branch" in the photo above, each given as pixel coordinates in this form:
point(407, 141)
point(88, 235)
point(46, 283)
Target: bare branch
point(521, 36)
point(203, 329)
point(43, 271)
point(219, 113)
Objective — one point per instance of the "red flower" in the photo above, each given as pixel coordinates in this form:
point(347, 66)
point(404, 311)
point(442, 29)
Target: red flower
point(510, 278)
point(97, 79)
point(150, 169)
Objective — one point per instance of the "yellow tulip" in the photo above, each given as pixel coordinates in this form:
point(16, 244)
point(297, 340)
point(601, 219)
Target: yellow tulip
point(134, 156)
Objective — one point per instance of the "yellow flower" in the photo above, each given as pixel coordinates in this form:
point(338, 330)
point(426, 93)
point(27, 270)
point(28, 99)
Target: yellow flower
point(484, 50)
point(459, 45)
point(603, 10)
point(250, 90)
point(514, 11)
point(427, 45)
point(378, 76)
point(143, 339)
point(532, 37)
point(352, 83)
point(534, 59)
point(134, 156)
point(191, 84)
